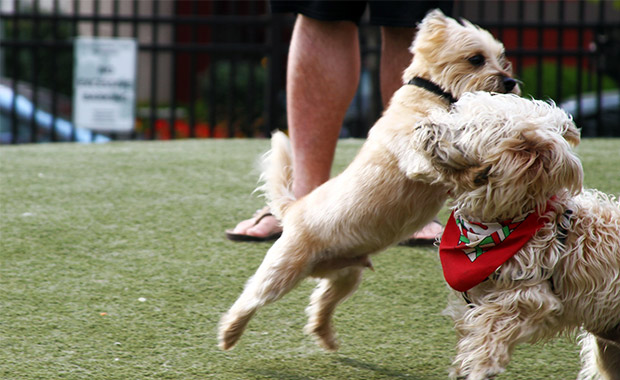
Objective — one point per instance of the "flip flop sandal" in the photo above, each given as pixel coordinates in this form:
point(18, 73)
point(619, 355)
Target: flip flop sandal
point(258, 216)
point(420, 242)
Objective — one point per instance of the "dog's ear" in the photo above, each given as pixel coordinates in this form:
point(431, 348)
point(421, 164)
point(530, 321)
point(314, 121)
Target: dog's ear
point(435, 19)
point(431, 33)
point(543, 162)
point(572, 134)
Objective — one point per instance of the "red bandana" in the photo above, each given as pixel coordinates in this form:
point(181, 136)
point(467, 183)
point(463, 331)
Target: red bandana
point(471, 252)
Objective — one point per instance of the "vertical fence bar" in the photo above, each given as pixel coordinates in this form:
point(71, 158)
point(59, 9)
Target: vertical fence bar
point(154, 67)
point(75, 18)
point(540, 30)
point(213, 77)
point(230, 98)
point(520, 21)
point(599, 72)
point(34, 78)
point(480, 10)
point(192, 74)
point(134, 33)
point(173, 77)
point(458, 10)
point(500, 18)
point(212, 94)
point(559, 83)
point(272, 84)
point(232, 75)
point(250, 93)
point(15, 72)
point(580, 62)
point(134, 19)
point(54, 65)
point(115, 13)
point(74, 33)
point(250, 98)
point(95, 15)
point(96, 18)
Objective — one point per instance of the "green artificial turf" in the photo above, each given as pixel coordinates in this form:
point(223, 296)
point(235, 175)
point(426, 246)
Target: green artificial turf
point(114, 265)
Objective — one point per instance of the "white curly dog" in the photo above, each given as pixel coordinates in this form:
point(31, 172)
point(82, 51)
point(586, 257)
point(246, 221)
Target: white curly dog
point(508, 162)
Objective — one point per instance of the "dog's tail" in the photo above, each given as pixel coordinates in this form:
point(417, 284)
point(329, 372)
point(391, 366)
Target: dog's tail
point(277, 175)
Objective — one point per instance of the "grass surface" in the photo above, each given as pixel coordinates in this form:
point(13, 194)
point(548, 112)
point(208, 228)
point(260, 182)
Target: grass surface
point(114, 265)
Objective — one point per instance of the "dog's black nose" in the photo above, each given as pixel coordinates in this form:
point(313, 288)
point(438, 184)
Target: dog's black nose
point(509, 84)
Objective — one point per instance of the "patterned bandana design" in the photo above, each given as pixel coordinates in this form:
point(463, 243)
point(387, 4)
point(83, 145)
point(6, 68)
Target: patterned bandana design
point(471, 252)
point(478, 238)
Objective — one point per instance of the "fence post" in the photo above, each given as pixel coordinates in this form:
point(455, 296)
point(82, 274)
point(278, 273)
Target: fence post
point(15, 73)
point(274, 72)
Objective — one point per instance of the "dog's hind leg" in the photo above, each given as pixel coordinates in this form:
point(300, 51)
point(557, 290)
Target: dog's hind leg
point(330, 292)
point(608, 354)
point(608, 358)
point(600, 358)
point(281, 270)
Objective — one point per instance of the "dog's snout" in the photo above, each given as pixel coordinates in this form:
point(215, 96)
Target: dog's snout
point(509, 83)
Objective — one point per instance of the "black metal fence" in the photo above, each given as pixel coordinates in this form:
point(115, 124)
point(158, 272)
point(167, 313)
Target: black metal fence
point(217, 68)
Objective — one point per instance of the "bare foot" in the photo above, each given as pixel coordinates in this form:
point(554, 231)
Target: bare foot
point(430, 231)
point(425, 236)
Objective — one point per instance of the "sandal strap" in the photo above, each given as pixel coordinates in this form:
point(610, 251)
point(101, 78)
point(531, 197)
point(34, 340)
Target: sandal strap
point(261, 214)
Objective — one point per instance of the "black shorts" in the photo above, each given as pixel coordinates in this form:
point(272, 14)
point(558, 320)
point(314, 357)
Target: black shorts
point(384, 13)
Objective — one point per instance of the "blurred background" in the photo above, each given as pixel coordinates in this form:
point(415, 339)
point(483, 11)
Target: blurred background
point(216, 69)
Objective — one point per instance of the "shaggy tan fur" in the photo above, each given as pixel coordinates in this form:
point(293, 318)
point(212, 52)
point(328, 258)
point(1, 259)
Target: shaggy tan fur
point(378, 200)
point(502, 157)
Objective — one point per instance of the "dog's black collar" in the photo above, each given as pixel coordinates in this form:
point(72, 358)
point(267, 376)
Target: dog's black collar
point(432, 87)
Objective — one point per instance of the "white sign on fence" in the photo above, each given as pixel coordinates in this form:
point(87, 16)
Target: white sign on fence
point(104, 84)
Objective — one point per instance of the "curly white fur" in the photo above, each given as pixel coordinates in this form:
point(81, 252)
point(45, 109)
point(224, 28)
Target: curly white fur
point(503, 156)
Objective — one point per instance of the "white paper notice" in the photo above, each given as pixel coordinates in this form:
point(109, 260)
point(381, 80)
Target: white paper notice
point(104, 84)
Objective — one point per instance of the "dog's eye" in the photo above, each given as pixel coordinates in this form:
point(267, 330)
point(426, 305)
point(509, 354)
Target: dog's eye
point(476, 60)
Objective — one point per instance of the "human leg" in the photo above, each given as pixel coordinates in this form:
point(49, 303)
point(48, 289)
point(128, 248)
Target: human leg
point(395, 57)
point(326, 81)
point(322, 77)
